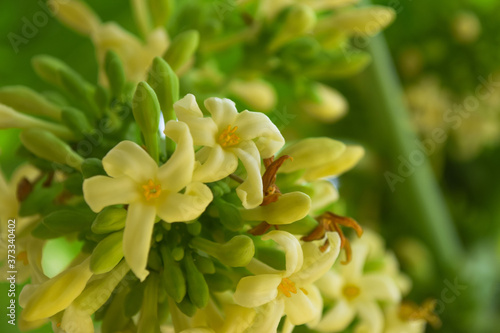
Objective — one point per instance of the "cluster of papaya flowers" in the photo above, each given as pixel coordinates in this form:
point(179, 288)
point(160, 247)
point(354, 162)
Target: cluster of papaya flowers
point(211, 224)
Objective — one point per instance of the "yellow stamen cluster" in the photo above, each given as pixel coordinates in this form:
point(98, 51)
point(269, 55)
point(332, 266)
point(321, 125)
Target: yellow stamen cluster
point(351, 292)
point(287, 287)
point(23, 256)
point(228, 138)
point(151, 190)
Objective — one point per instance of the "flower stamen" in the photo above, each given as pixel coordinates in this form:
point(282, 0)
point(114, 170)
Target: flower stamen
point(228, 137)
point(151, 190)
point(409, 311)
point(23, 256)
point(351, 291)
point(287, 287)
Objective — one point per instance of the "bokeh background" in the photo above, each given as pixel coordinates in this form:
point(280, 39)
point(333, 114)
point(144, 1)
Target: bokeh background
point(428, 74)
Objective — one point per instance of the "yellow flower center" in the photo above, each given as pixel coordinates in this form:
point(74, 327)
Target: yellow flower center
point(23, 256)
point(287, 287)
point(151, 190)
point(228, 138)
point(351, 291)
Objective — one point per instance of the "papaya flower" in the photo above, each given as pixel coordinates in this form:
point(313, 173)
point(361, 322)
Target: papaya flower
point(136, 180)
point(356, 294)
point(290, 292)
point(226, 137)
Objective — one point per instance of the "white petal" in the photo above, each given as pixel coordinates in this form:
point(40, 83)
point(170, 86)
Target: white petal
point(256, 125)
point(223, 111)
point(293, 250)
point(129, 159)
point(317, 263)
point(102, 191)
point(219, 163)
point(354, 269)
point(178, 171)
point(371, 316)
point(250, 191)
point(137, 237)
point(203, 130)
point(337, 318)
point(179, 207)
point(379, 287)
point(257, 290)
point(300, 309)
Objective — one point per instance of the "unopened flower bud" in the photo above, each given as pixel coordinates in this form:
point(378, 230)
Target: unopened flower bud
point(182, 48)
point(235, 253)
point(259, 95)
point(330, 107)
point(109, 219)
point(25, 100)
point(107, 254)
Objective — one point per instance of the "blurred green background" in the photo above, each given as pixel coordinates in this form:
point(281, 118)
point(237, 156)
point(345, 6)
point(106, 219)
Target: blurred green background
point(439, 50)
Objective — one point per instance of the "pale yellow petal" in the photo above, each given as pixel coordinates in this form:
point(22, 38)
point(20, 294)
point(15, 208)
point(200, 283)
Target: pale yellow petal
point(292, 248)
point(250, 191)
point(223, 111)
point(299, 309)
point(349, 158)
point(76, 15)
point(179, 207)
point(128, 159)
point(257, 290)
point(380, 287)
point(178, 171)
point(102, 191)
point(219, 163)
point(75, 320)
point(371, 317)
point(267, 318)
point(331, 284)
point(354, 269)
point(137, 237)
point(324, 193)
point(337, 318)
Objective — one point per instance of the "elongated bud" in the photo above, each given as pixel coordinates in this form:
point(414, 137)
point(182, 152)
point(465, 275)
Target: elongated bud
point(298, 21)
point(109, 219)
point(161, 10)
point(146, 111)
point(349, 158)
point(76, 120)
point(329, 107)
point(367, 21)
point(172, 276)
point(107, 254)
point(57, 293)
point(310, 153)
point(290, 207)
point(58, 221)
point(29, 101)
point(148, 320)
point(344, 65)
point(57, 73)
point(197, 288)
point(229, 215)
point(236, 253)
point(47, 146)
point(10, 118)
point(76, 15)
point(259, 95)
point(165, 83)
point(115, 73)
point(205, 265)
point(182, 48)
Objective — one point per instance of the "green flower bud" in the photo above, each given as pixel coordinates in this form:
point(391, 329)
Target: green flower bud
point(161, 11)
point(47, 146)
point(107, 254)
point(229, 215)
point(340, 66)
point(182, 48)
point(28, 101)
point(187, 307)
point(165, 83)
point(172, 276)
point(10, 118)
point(76, 120)
point(219, 282)
point(115, 73)
point(109, 219)
point(236, 253)
point(66, 221)
point(205, 265)
point(148, 320)
point(146, 110)
point(298, 21)
point(197, 288)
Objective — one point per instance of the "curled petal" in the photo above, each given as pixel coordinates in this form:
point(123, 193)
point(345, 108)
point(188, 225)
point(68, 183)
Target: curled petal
point(257, 290)
point(179, 207)
point(267, 318)
point(371, 316)
point(379, 287)
point(256, 125)
point(137, 237)
point(178, 171)
point(223, 111)
point(336, 319)
point(219, 163)
point(250, 192)
point(203, 130)
point(128, 159)
point(102, 191)
point(300, 309)
point(293, 250)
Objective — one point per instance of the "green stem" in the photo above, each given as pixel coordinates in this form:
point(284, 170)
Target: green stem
point(424, 206)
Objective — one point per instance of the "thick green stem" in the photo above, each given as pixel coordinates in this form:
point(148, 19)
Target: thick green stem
point(424, 206)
